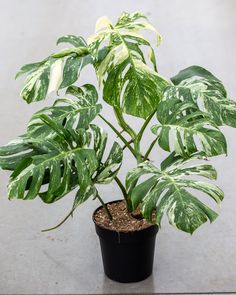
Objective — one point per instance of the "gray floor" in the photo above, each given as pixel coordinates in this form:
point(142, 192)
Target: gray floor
point(68, 260)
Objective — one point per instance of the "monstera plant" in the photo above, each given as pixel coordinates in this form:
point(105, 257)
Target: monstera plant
point(62, 150)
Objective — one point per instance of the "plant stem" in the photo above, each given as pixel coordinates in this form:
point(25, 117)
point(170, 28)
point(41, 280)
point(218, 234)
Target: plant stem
point(104, 206)
point(140, 134)
point(150, 149)
point(129, 142)
point(137, 149)
point(123, 124)
point(59, 224)
point(131, 132)
point(121, 186)
point(119, 135)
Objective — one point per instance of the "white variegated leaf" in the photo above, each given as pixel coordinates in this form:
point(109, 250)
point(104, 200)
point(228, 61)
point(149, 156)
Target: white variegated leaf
point(168, 191)
point(64, 161)
point(76, 113)
point(192, 130)
point(208, 93)
point(58, 71)
point(129, 83)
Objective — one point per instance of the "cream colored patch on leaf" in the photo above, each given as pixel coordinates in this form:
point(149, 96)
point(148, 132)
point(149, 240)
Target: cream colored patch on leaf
point(56, 74)
point(103, 23)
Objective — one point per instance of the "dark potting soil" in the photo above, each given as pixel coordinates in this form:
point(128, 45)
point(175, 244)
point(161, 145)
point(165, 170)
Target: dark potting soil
point(122, 220)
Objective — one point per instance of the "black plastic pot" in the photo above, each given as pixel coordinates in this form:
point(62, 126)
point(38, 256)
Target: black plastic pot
point(127, 256)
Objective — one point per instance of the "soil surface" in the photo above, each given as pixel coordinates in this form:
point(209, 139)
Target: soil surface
point(122, 220)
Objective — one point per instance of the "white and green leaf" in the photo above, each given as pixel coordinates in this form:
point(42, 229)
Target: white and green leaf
point(209, 94)
point(58, 71)
point(168, 191)
point(71, 113)
point(192, 130)
point(129, 83)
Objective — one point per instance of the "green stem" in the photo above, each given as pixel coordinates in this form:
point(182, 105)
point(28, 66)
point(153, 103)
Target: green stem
point(140, 134)
point(104, 206)
point(59, 224)
point(131, 132)
point(137, 149)
point(129, 142)
point(121, 186)
point(123, 124)
point(119, 135)
point(150, 149)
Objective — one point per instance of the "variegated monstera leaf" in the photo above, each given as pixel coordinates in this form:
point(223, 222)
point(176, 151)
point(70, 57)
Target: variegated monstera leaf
point(129, 83)
point(71, 113)
point(61, 149)
point(71, 158)
point(170, 191)
point(208, 93)
point(184, 128)
point(57, 71)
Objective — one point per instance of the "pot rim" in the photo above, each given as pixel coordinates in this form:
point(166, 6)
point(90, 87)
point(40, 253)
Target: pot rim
point(119, 232)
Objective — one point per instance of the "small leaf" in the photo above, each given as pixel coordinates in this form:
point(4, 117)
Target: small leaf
point(76, 41)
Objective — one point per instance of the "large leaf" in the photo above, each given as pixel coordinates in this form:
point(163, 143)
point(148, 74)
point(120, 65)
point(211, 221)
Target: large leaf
point(70, 158)
point(78, 113)
point(168, 191)
point(192, 130)
point(129, 83)
point(57, 71)
point(19, 149)
point(60, 160)
point(209, 94)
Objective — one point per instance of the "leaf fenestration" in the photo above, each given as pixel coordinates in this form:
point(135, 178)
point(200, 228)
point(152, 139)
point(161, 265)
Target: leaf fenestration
point(193, 130)
point(209, 94)
point(168, 191)
point(129, 83)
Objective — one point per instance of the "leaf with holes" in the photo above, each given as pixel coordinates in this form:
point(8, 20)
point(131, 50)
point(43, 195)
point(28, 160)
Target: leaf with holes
point(168, 191)
point(209, 93)
point(57, 71)
point(129, 83)
point(179, 115)
point(76, 113)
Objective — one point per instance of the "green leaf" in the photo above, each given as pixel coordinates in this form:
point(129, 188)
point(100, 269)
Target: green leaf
point(59, 183)
point(59, 70)
point(209, 94)
point(21, 148)
point(141, 86)
point(29, 68)
point(179, 115)
point(109, 168)
point(168, 191)
point(79, 112)
point(64, 161)
point(81, 197)
point(129, 83)
point(76, 41)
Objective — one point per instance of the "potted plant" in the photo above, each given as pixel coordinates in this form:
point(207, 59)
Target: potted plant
point(62, 150)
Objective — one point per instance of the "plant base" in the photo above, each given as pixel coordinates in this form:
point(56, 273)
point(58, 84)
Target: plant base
point(127, 256)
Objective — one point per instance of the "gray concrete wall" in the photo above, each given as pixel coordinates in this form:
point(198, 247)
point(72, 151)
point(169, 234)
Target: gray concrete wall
point(199, 32)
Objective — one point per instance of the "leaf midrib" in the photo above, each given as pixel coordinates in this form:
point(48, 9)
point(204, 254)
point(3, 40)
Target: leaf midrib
point(42, 163)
